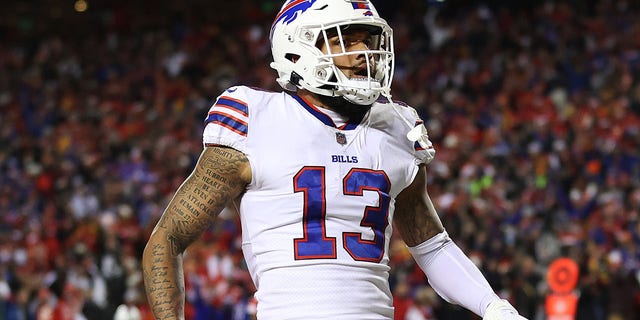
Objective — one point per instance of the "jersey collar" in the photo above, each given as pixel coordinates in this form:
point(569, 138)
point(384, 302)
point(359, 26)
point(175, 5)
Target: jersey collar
point(323, 117)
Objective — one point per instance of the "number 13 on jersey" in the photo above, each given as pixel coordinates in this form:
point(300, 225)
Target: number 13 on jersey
point(315, 244)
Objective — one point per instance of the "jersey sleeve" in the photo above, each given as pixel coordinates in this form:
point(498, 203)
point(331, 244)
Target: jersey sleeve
point(227, 122)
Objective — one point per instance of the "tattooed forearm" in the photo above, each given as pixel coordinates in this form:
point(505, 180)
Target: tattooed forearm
point(219, 177)
point(165, 295)
point(415, 217)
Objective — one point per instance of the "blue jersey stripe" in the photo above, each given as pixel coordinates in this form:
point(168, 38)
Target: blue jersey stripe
point(227, 121)
point(233, 104)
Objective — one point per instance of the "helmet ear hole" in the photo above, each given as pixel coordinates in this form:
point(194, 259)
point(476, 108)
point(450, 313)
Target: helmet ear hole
point(292, 57)
point(295, 78)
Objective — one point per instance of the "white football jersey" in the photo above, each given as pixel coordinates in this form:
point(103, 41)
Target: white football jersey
point(316, 217)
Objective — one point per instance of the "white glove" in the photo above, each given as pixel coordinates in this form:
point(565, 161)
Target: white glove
point(419, 134)
point(501, 310)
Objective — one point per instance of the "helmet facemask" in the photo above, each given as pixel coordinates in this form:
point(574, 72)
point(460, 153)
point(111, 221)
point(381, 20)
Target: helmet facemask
point(372, 69)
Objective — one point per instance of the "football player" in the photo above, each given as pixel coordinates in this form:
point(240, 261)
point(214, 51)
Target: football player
point(319, 173)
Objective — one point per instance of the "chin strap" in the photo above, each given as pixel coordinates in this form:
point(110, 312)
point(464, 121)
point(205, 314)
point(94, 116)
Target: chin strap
point(417, 133)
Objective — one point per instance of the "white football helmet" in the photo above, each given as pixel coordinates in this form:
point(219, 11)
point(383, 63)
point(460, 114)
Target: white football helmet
point(302, 26)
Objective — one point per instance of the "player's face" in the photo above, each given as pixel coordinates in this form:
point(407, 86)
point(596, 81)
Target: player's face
point(352, 65)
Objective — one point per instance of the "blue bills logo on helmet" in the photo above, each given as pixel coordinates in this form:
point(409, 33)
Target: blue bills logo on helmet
point(290, 12)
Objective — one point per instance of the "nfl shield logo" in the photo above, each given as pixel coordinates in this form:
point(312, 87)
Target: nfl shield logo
point(341, 138)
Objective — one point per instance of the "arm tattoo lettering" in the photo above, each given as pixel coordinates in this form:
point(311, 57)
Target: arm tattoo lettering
point(214, 182)
point(164, 294)
point(193, 209)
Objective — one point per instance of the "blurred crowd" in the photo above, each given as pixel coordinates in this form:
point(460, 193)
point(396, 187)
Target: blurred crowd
point(534, 110)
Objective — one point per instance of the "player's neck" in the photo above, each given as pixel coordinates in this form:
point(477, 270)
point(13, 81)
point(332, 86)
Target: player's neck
point(314, 99)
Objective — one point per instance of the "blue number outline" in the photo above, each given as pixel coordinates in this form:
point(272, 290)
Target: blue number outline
point(314, 244)
point(376, 218)
point(310, 181)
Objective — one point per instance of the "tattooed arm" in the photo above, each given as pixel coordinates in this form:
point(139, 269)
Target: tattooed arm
point(415, 216)
point(449, 271)
point(220, 176)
